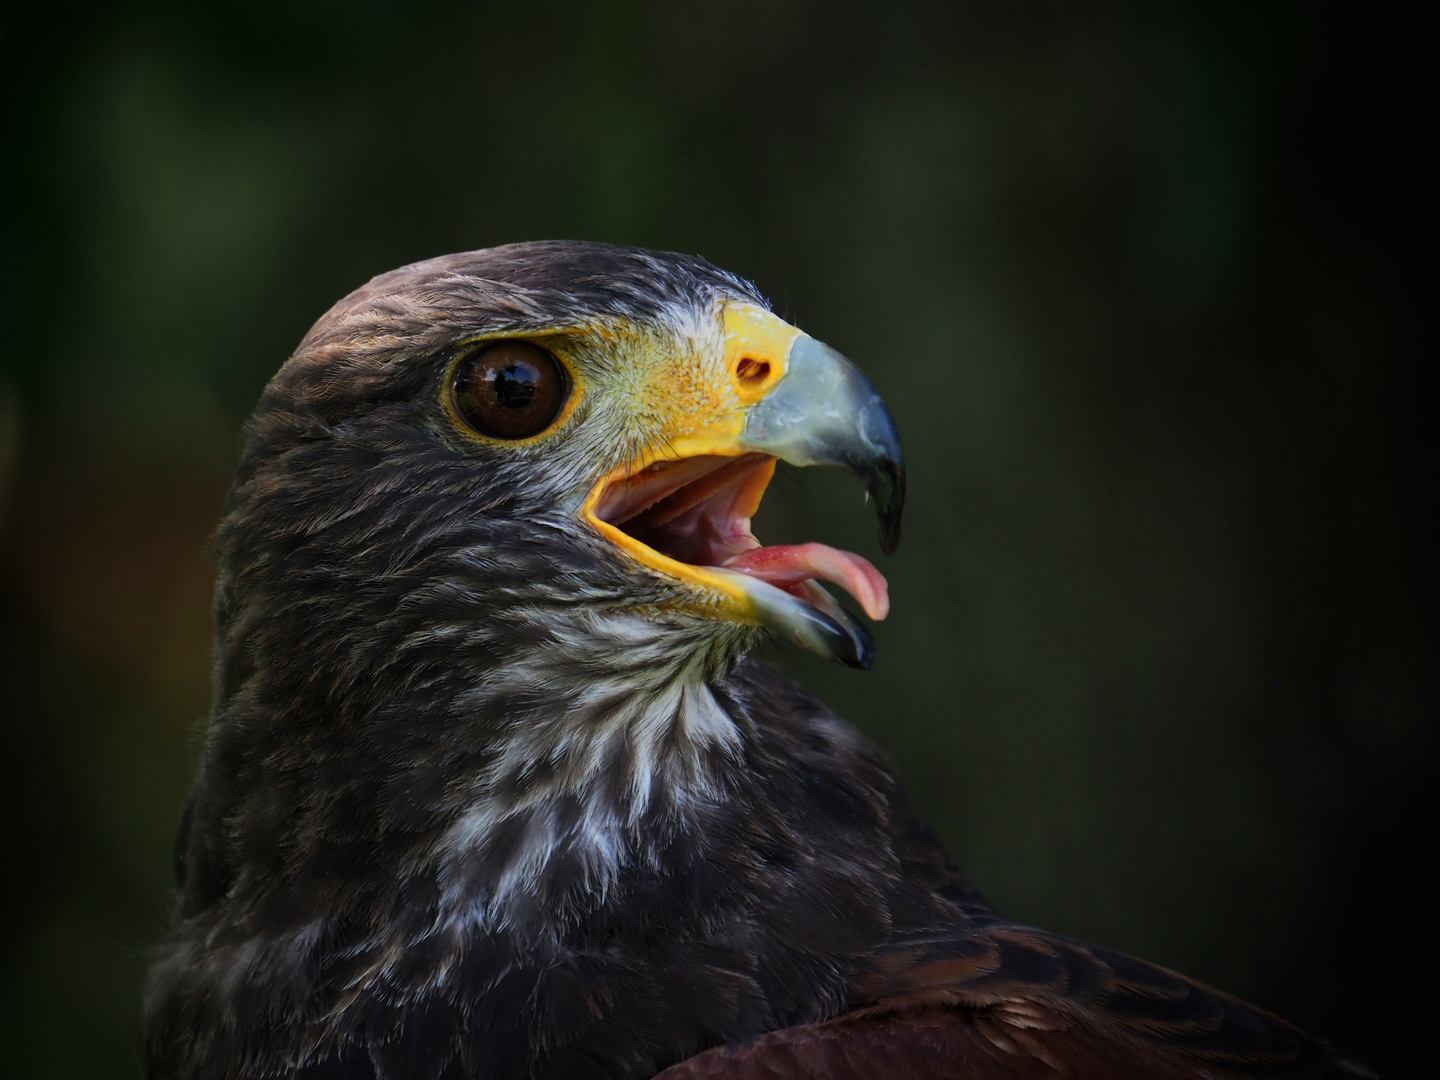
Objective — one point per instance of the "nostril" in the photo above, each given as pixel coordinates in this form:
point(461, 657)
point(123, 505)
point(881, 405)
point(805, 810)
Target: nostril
point(752, 371)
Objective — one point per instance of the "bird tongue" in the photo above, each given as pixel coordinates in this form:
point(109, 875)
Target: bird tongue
point(697, 510)
point(788, 566)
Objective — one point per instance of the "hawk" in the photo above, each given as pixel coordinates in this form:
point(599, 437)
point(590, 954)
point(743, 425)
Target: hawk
point(492, 787)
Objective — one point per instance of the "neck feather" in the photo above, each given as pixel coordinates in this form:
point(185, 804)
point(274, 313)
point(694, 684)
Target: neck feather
point(610, 738)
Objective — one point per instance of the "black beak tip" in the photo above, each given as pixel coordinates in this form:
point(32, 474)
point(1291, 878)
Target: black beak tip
point(845, 637)
point(860, 653)
point(887, 489)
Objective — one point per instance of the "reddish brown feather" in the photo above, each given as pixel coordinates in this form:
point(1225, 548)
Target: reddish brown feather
point(1018, 1004)
point(927, 1044)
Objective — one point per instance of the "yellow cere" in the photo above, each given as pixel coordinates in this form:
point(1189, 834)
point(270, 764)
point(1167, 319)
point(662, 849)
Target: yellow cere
point(756, 355)
point(764, 340)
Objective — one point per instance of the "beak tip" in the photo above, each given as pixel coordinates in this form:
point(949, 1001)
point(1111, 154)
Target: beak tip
point(833, 633)
point(861, 654)
point(887, 490)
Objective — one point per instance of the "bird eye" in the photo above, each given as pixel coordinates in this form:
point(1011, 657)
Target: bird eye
point(510, 390)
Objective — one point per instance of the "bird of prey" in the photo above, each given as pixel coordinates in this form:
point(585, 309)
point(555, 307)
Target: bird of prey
point(492, 788)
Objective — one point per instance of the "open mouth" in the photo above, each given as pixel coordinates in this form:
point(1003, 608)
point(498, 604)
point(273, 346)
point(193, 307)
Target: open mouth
point(694, 514)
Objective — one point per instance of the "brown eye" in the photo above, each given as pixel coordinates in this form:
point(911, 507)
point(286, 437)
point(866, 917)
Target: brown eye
point(510, 390)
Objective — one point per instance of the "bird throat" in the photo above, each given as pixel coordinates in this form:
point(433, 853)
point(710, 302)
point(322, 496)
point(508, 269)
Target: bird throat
point(608, 736)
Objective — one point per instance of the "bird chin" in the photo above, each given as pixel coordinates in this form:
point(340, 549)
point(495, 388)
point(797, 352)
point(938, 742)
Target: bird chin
point(689, 519)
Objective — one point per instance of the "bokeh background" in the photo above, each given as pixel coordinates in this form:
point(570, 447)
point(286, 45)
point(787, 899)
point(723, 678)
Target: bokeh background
point(1148, 287)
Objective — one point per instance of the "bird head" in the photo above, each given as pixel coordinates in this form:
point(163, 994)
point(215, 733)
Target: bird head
point(489, 547)
point(559, 430)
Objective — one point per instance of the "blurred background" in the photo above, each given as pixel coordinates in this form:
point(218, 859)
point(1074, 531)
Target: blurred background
point(1143, 284)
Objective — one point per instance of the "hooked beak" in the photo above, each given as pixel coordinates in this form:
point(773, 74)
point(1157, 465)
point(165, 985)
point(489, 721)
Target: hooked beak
point(686, 511)
point(826, 412)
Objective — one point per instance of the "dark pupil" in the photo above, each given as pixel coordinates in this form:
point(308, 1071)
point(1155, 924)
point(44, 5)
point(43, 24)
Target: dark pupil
point(515, 385)
point(510, 390)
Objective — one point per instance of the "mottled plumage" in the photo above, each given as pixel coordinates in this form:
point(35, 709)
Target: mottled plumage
point(484, 795)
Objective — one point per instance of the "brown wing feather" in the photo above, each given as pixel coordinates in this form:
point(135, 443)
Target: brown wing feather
point(1018, 1003)
point(932, 1044)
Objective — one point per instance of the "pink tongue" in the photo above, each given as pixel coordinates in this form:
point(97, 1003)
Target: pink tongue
point(790, 564)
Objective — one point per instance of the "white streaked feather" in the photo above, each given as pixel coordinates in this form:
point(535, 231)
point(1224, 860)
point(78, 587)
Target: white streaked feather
point(652, 700)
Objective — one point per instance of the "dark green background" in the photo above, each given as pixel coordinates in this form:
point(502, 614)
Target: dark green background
point(1144, 285)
